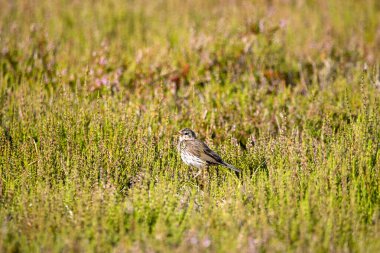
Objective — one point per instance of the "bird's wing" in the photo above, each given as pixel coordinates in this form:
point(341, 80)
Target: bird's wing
point(201, 150)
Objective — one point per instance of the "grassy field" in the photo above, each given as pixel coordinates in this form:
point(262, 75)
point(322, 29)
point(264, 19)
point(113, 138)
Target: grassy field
point(93, 93)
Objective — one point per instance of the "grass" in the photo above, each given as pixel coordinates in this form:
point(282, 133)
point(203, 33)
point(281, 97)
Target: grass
point(93, 93)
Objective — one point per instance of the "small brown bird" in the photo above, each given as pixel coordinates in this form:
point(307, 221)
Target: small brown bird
point(196, 153)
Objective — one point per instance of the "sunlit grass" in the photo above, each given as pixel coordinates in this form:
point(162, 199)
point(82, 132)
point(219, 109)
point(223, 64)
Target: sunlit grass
point(92, 95)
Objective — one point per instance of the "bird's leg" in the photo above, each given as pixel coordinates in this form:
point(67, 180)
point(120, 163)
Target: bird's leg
point(198, 173)
point(199, 180)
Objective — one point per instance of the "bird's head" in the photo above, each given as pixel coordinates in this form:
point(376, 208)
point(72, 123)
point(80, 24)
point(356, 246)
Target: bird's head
point(187, 134)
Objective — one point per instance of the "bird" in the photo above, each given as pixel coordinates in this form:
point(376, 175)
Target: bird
point(196, 153)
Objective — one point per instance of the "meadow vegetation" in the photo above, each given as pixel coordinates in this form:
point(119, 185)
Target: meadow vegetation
point(92, 94)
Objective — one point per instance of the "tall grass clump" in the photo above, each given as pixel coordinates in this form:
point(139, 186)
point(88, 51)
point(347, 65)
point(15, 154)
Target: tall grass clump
point(92, 95)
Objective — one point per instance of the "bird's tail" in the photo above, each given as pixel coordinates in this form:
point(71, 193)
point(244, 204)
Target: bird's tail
point(231, 167)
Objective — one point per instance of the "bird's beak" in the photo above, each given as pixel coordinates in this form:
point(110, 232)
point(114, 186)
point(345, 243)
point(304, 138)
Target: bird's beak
point(179, 133)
